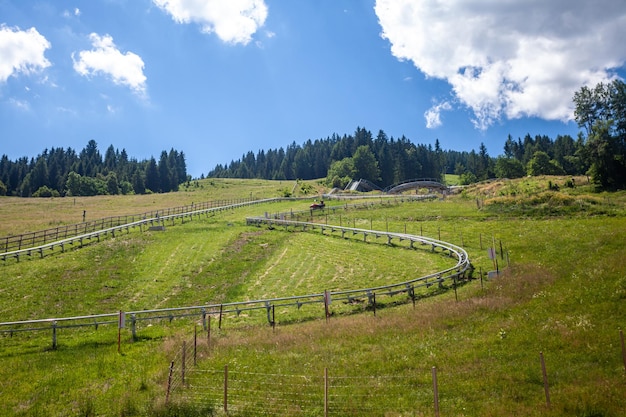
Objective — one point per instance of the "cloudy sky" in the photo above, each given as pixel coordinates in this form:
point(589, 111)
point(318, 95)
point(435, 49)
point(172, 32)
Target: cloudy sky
point(218, 78)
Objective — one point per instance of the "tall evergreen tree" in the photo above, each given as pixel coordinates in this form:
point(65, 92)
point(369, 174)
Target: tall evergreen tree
point(152, 180)
point(165, 174)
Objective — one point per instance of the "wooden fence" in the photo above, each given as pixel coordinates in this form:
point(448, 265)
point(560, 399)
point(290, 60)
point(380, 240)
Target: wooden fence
point(42, 237)
point(82, 233)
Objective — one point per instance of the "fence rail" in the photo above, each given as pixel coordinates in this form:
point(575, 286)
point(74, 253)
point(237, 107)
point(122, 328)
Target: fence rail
point(37, 243)
point(78, 233)
point(41, 237)
point(202, 312)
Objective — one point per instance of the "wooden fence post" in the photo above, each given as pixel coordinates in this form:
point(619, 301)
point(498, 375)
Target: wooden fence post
point(435, 391)
point(374, 303)
point(169, 383)
point(327, 301)
point(184, 359)
point(226, 389)
point(621, 336)
point(481, 278)
point(325, 392)
point(546, 388)
point(195, 345)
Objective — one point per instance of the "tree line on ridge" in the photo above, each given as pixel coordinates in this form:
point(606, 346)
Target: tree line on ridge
point(63, 172)
point(599, 151)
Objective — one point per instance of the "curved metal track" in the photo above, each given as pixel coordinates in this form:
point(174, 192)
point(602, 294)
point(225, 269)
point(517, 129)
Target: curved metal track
point(450, 275)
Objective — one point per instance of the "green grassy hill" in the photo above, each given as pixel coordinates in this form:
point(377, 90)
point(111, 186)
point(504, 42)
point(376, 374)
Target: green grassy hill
point(563, 294)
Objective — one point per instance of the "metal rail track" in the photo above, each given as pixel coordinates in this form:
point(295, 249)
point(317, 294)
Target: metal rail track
point(451, 275)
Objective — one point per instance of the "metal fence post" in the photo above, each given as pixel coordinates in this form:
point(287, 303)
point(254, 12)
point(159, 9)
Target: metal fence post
point(54, 334)
point(133, 325)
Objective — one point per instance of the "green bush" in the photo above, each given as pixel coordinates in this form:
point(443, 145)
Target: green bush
point(45, 191)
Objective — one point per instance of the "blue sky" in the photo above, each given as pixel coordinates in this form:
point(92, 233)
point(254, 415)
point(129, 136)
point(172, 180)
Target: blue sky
point(218, 78)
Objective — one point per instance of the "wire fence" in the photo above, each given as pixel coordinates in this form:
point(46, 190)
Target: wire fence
point(194, 382)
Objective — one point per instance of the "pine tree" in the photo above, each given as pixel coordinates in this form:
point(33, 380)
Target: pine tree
point(152, 180)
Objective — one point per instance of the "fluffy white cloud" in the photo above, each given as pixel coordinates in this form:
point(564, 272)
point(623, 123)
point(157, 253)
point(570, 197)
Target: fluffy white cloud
point(233, 21)
point(124, 69)
point(21, 51)
point(433, 115)
point(512, 58)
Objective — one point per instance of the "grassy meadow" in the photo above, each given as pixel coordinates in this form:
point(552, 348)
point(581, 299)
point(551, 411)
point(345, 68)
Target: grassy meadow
point(563, 294)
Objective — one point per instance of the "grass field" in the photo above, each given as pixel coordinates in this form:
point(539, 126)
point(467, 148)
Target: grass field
point(564, 295)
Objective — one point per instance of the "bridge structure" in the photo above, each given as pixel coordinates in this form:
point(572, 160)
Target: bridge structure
point(415, 184)
point(412, 184)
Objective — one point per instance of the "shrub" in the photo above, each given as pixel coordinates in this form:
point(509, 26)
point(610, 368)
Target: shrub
point(45, 191)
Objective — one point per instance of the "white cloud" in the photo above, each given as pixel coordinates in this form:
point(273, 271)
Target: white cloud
point(20, 104)
point(66, 110)
point(433, 115)
point(512, 58)
point(67, 14)
point(233, 21)
point(123, 68)
point(21, 51)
